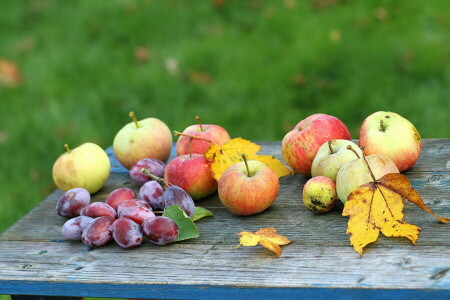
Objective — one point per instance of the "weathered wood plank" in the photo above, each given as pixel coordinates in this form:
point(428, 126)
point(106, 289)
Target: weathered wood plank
point(36, 259)
point(178, 264)
point(288, 215)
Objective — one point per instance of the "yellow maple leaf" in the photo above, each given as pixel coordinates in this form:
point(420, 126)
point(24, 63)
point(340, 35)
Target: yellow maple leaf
point(230, 153)
point(266, 237)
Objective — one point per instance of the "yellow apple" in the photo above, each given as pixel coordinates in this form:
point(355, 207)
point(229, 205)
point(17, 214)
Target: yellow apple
point(86, 166)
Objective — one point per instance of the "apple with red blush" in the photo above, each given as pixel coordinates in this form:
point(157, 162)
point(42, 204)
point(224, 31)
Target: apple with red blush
point(393, 136)
point(248, 187)
point(202, 135)
point(192, 173)
point(299, 146)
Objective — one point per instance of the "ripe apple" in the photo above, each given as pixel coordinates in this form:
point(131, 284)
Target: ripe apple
point(392, 135)
point(210, 132)
point(248, 188)
point(87, 166)
point(148, 138)
point(193, 174)
point(331, 156)
point(319, 194)
point(299, 146)
point(355, 173)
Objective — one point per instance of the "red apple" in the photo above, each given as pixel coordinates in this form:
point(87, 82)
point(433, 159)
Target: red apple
point(148, 138)
point(210, 132)
point(299, 146)
point(391, 135)
point(192, 174)
point(248, 190)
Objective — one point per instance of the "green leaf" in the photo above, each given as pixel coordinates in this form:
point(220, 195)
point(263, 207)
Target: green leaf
point(201, 212)
point(186, 227)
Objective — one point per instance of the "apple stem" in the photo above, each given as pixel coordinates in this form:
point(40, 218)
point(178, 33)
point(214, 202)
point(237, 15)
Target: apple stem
point(177, 133)
point(133, 117)
point(67, 147)
point(165, 184)
point(329, 146)
point(190, 147)
point(370, 170)
point(244, 157)
point(354, 151)
point(199, 123)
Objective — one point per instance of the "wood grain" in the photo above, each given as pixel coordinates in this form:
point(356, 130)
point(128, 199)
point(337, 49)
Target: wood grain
point(34, 254)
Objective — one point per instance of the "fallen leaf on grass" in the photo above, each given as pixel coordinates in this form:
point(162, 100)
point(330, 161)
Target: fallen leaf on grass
point(266, 237)
point(378, 206)
point(9, 73)
point(230, 153)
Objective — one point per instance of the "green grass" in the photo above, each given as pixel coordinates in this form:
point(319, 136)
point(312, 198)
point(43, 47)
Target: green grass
point(254, 67)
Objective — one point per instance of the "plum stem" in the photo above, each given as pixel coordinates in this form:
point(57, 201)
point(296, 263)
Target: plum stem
point(199, 123)
point(349, 147)
point(244, 157)
point(177, 133)
point(133, 117)
point(67, 147)
point(164, 183)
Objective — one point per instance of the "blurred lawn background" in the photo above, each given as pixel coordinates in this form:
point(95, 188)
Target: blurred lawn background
point(255, 67)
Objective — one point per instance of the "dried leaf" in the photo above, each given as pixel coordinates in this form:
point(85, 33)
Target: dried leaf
point(275, 164)
point(266, 237)
point(378, 206)
point(401, 185)
point(230, 153)
point(9, 73)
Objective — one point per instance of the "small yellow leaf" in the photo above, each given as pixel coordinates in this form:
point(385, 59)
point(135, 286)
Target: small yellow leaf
point(248, 238)
point(270, 234)
point(230, 153)
point(266, 237)
point(275, 164)
point(272, 246)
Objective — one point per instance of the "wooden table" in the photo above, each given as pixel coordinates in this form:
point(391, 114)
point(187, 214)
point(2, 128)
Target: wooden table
point(36, 260)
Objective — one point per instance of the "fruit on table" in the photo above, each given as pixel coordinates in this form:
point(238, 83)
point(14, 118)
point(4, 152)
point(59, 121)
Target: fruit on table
point(161, 230)
point(119, 195)
point(299, 146)
point(127, 233)
point(391, 135)
point(138, 214)
point(98, 209)
point(152, 193)
point(331, 156)
point(71, 203)
point(248, 187)
point(74, 227)
point(148, 138)
point(87, 166)
point(210, 132)
point(193, 174)
point(98, 232)
point(155, 166)
point(319, 194)
point(176, 195)
point(355, 173)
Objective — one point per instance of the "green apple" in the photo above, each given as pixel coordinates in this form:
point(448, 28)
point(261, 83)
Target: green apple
point(331, 156)
point(148, 138)
point(392, 135)
point(87, 166)
point(319, 194)
point(356, 172)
